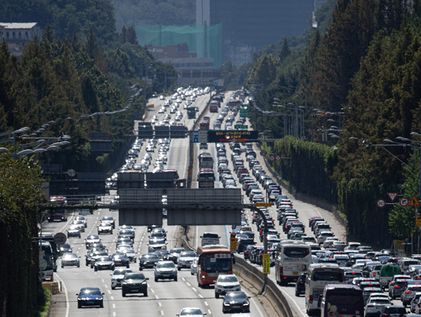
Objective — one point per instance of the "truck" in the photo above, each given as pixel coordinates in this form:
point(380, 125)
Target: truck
point(214, 106)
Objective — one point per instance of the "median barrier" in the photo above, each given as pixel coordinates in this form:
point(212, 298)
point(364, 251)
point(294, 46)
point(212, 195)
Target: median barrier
point(254, 276)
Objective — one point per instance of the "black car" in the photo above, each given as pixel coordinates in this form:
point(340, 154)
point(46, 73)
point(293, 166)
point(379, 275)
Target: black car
point(65, 248)
point(134, 283)
point(236, 302)
point(300, 285)
point(90, 296)
point(148, 260)
point(120, 259)
point(57, 216)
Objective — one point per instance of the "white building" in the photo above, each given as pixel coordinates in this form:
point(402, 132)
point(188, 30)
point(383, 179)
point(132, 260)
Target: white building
point(16, 35)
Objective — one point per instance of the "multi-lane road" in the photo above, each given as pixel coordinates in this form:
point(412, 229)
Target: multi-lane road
point(166, 298)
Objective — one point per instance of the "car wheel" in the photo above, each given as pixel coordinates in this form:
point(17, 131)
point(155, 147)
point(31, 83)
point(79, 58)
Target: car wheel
point(216, 295)
point(123, 294)
point(140, 268)
point(145, 293)
point(127, 265)
point(87, 263)
point(191, 273)
point(79, 305)
point(179, 268)
point(112, 287)
point(62, 266)
point(101, 304)
point(175, 279)
point(95, 268)
point(156, 279)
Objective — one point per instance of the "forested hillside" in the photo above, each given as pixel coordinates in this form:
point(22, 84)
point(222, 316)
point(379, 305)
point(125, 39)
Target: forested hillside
point(367, 66)
point(77, 79)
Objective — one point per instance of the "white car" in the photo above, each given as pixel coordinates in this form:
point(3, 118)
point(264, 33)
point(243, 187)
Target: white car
point(105, 227)
point(191, 312)
point(226, 283)
point(186, 259)
point(193, 267)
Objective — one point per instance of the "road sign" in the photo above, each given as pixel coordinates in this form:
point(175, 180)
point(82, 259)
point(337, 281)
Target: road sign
point(418, 221)
point(60, 238)
point(216, 136)
point(381, 203)
point(392, 196)
point(195, 137)
point(266, 263)
point(404, 201)
point(233, 243)
point(263, 204)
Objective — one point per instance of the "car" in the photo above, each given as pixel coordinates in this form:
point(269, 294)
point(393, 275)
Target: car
point(236, 301)
point(70, 259)
point(105, 227)
point(191, 312)
point(83, 219)
point(108, 219)
point(104, 263)
point(80, 224)
point(134, 282)
point(129, 252)
point(165, 270)
point(186, 259)
point(65, 248)
point(120, 259)
point(193, 267)
point(397, 287)
point(74, 231)
point(300, 285)
point(91, 256)
point(90, 296)
point(157, 244)
point(148, 260)
point(117, 276)
point(394, 311)
point(57, 217)
point(174, 254)
point(226, 283)
point(91, 239)
point(414, 302)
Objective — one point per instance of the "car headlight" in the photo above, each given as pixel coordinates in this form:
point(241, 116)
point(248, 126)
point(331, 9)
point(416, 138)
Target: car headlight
point(144, 283)
point(245, 304)
point(226, 304)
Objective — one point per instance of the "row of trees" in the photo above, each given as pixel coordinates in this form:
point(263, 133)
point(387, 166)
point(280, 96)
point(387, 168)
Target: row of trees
point(365, 63)
point(80, 66)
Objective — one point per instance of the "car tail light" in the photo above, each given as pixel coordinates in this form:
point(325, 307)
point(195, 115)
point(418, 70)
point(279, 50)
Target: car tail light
point(396, 286)
point(407, 292)
point(374, 274)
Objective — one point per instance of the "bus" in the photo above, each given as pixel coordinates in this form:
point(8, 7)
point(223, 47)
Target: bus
point(318, 276)
point(342, 300)
point(212, 261)
point(47, 261)
point(387, 272)
point(206, 178)
point(205, 160)
point(292, 259)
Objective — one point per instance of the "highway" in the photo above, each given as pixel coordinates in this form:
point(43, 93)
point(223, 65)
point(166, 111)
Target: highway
point(166, 298)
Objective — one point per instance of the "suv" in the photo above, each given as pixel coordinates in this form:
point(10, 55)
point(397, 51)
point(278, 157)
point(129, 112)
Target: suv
point(165, 270)
point(134, 283)
point(226, 283)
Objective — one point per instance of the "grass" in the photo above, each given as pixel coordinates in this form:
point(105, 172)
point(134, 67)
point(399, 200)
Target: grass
point(45, 308)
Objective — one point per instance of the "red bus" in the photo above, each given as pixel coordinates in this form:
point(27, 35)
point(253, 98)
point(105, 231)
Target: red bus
point(213, 260)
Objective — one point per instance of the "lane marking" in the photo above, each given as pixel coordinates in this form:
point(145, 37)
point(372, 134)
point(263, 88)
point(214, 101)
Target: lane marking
point(114, 314)
point(194, 289)
point(206, 303)
point(113, 306)
point(201, 296)
point(209, 312)
point(66, 295)
point(112, 298)
point(161, 312)
point(159, 304)
point(109, 292)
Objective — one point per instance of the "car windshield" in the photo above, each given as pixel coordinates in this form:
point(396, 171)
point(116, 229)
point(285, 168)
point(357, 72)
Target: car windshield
point(90, 291)
point(134, 276)
point(104, 258)
point(188, 254)
point(69, 256)
point(227, 278)
point(92, 237)
point(166, 265)
point(121, 272)
point(150, 256)
point(191, 311)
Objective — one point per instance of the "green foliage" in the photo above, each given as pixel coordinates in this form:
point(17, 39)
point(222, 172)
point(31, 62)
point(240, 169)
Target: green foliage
point(67, 18)
point(307, 166)
point(19, 199)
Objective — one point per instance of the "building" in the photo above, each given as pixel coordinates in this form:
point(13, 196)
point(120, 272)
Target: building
point(17, 35)
point(250, 25)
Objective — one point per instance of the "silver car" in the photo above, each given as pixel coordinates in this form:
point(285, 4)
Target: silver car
point(165, 270)
point(117, 276)
point(70, 259)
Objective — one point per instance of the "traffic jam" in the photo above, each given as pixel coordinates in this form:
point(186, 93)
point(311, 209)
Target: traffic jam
point(330, 276)
point(335, 277)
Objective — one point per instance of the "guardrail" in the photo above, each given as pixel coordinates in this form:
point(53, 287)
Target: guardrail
point(256, 277)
